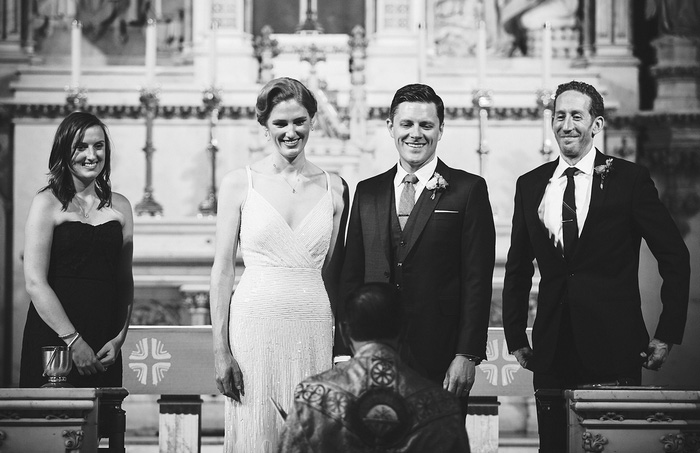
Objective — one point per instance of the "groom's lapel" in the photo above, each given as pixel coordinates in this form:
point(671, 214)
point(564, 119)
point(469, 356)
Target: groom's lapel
point(383, 207)
point(424, 209)
point(598, 195)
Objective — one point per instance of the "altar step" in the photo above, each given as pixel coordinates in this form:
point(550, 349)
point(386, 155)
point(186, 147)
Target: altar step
point(120, 85)
point(212, 444)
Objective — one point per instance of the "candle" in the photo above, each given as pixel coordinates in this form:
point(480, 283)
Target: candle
point(546, 124)
point(546, 55)
point(159, 9)
point(150, 52)
point(213, 52)
point(481, 55)
point(76, 36)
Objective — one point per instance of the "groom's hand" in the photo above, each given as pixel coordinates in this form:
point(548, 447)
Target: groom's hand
point(459, 378)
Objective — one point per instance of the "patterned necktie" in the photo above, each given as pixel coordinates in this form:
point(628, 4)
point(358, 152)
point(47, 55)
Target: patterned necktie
point(568, 214)
point(408, 198)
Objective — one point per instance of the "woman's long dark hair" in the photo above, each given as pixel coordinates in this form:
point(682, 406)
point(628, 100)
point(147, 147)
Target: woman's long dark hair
point(72, 130)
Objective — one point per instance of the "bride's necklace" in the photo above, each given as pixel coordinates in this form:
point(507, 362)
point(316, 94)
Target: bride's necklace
point(294, 186)
point(85, 214)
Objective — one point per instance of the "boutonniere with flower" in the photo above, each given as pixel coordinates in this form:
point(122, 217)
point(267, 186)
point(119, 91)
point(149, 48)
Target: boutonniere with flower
point(437, 184)
point(604, 170)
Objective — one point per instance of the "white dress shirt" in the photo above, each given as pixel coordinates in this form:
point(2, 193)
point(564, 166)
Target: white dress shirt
point(550, 207)
point(423, 174)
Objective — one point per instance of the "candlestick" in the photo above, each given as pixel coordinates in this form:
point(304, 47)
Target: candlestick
point(483, 101)
point(149, 99)
point(76, 37)
point(213, 53)
point(150, 52)
point(212, 102)
point(481, 55)
point(546, 54)
point(545, 102)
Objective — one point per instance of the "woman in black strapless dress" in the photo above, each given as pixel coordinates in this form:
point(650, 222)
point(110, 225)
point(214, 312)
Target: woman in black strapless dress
point(77, 260)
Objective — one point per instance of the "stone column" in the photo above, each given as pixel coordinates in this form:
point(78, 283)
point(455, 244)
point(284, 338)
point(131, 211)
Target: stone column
point(613, 29)
point(394, 43)
point(236, 64)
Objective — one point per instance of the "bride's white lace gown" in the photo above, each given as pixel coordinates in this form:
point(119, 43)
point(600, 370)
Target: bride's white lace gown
point(281, 321)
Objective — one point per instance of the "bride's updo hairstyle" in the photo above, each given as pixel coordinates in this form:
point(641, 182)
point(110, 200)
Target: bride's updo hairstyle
point(280, 90)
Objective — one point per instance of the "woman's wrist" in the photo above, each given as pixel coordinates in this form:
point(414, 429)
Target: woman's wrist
point(70, 339)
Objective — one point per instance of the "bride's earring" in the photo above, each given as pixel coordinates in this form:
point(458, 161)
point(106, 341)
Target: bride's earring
point(267, 134)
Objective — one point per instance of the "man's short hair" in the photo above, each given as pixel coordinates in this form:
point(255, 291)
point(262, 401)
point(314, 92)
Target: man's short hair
point(417, 92)
point(373, 312)
point(597, 107)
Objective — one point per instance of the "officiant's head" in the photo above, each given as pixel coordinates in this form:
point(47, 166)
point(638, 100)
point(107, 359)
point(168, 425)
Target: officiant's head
point(373, 313)
point(416, 120)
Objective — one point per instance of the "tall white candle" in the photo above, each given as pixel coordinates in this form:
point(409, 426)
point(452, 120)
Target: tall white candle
point(159, 9)
point(481, 55)
point(150, 52)
point(546, 55)
point(213, 51)
point(76, 37)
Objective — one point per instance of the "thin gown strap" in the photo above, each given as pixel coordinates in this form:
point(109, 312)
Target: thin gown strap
point(250, 177)
point(328, 180)
point(250, 185)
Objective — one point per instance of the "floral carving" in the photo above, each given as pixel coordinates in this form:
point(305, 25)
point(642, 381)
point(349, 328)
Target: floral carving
point(659, 417)
point(593, 442)
point(612, 416)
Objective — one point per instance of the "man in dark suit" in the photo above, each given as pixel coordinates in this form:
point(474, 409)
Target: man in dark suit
point(428, 229)
point(582, 217)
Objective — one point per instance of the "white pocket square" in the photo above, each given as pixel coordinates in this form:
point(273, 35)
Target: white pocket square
point(440, 211)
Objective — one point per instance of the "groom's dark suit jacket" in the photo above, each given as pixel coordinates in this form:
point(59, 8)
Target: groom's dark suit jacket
point(446, 263)
point(600, 285)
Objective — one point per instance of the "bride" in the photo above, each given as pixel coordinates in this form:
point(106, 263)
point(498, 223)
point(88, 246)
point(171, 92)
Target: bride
point(289, 216)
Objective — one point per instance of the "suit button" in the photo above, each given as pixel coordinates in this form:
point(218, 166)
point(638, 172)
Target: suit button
point(398, 286)
point(402, 243)
point(571, 275)
point(399, 264)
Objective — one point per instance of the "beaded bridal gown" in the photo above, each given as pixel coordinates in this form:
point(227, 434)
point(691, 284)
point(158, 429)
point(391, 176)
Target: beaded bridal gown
point(281, 321)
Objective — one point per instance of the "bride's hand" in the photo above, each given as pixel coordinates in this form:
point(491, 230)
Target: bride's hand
point(229, 378)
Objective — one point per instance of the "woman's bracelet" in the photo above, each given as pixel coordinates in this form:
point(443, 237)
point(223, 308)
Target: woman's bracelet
point(75, 338)
point(68, 335)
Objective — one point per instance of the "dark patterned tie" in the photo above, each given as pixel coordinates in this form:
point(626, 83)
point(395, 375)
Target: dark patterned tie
point(568, 214)
point(408, 198)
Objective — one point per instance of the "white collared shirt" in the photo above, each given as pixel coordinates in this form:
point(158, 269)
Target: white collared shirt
point(423, 174)
point(549, 210)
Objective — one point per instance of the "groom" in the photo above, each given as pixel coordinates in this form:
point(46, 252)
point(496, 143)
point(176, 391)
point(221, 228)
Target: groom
point(427, 229)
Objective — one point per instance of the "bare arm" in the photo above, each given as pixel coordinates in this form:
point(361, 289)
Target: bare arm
point(334, 259)
point(232, 193)
point(38, 237)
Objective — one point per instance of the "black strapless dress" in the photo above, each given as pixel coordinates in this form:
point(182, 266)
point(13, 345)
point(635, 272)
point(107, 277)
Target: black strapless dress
point(83, 274)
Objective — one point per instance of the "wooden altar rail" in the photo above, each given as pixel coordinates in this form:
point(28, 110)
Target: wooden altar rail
point(177, 362)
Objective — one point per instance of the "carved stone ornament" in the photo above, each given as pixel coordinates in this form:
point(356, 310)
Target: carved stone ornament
point(681, 442)
point(74, 439)
point(659, 417)
point(593, 442)
point(611, 416)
